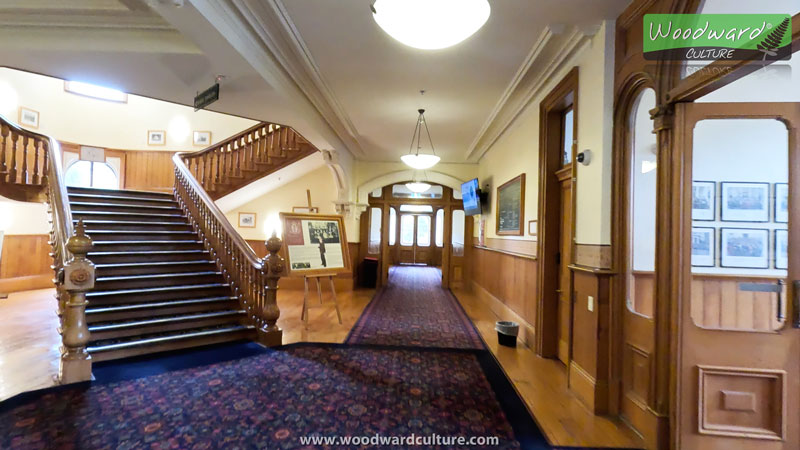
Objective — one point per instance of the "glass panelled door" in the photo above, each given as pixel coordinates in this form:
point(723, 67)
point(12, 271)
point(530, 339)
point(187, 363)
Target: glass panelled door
point(739, 366)
point(415, 239)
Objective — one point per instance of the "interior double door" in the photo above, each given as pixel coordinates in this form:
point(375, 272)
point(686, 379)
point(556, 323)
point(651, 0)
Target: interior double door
point(416, 236)
point(738, 374)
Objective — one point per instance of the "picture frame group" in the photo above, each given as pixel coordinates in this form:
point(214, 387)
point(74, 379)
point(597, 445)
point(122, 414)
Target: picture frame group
point(740, 201)
point(741, 248)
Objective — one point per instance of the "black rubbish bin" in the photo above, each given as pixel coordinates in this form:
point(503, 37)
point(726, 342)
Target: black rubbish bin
point(507, 333)
point(369, 272)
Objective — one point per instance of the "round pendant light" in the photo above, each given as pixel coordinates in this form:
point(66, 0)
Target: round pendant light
point(430, 24)
point(415, 159)
point(420, 162)
point(418, 187)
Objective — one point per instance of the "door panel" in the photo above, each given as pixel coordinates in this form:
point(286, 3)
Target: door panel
point(565, 247)
point(406, 245)
point(739, 367)
point(423, 250)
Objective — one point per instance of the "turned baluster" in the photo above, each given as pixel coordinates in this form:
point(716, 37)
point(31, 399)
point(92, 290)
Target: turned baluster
point(3, 168)
point(25, 141)
point(45, 161)
point(239, 159)
point(12, 176)
point(36, 145)
point(271, 269)
point(76, 363)
point(216, 161)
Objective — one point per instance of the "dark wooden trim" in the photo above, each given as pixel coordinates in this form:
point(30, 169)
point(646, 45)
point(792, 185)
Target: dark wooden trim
point(505, 252)
point(521, 232)
point(592, 270)
point(564, 95)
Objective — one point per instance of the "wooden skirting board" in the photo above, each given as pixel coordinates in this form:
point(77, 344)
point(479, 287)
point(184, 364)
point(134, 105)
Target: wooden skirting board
point(503, 312)
point(27, 283)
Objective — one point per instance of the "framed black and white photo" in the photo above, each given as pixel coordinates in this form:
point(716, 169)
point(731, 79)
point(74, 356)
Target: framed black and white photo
point(704, 194)
point(703, 247)
point(314, 244)
point(745, 202)
point(28, 117)
point(247, 220)
point(745, 248)
point(201, 138)
point(781, 249)
point(156, 137)
point(781, 202)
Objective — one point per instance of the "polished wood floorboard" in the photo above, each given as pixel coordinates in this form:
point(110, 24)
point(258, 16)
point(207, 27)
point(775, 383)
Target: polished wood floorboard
point(29, 353)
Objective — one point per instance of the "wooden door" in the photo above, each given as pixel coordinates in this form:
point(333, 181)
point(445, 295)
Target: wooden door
point(737, 248)
point(405, 243)
point(416, 239)
point(565, 250)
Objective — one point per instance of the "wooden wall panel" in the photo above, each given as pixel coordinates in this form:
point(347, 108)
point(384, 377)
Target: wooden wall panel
point(718, 302)
point(509, 278)
point(519, 246)
point(149, 171)
point(25, 263)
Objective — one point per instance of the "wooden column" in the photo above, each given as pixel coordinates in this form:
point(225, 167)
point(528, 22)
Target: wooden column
point(272, 268)
point(76, 363)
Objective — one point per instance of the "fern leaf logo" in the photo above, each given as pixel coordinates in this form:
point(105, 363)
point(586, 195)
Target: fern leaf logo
point(770, 45)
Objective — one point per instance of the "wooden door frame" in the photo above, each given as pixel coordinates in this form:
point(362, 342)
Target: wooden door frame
point(564, 95)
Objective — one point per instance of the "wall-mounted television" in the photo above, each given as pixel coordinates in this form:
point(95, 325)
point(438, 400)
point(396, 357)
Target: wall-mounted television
point(471, 196)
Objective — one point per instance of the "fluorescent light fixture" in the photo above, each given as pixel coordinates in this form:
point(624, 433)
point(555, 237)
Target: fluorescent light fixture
point(420, 162)
point(418, 187)
point(94, 91)
point(431, 24)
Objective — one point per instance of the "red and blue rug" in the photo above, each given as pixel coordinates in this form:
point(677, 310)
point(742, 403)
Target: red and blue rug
point(414, 310)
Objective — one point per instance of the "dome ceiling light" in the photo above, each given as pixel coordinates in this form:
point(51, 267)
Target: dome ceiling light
point(416, 160)
point(430, 24)
point(418, 187)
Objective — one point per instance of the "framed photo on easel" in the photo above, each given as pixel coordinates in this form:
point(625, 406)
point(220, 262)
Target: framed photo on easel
point(314, 244)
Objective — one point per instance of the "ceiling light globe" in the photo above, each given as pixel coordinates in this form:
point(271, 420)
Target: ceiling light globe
point(431, 24)
point(420, 162)
point(417, 187)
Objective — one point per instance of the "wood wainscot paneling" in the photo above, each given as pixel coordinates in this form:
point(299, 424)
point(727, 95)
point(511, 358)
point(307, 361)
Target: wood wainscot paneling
point(506, 281)
point(589, 374)
point(149, 171)
point(25, 263)
point(718, 302)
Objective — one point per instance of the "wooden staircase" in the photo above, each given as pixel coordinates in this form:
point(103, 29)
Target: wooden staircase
point(157, 288)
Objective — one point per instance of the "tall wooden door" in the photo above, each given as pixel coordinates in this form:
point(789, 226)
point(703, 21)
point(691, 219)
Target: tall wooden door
point(565, 249)
point(737, 244)
point(416, 235)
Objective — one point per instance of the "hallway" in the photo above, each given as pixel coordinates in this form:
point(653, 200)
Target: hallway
point(375, 384)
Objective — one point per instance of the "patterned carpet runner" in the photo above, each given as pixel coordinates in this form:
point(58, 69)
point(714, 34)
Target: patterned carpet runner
point(414, 310)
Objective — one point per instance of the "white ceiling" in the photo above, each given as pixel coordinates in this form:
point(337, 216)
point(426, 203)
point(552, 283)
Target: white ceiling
point(365, 84)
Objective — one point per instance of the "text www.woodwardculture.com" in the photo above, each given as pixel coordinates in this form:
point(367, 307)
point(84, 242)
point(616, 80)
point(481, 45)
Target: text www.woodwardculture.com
point(410, 440)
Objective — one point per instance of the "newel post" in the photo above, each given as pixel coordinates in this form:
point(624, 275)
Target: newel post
point(271, 269)
point(76, 364)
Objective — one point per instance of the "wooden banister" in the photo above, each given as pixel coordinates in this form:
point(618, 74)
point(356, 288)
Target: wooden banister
point(254, 281)
point(21, 150)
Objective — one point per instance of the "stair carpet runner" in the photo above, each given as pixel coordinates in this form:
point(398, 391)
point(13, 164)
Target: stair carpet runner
point(156, 287)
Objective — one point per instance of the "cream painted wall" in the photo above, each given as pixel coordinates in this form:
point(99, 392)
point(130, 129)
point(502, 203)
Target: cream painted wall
point(323, 194)
point(75, 118)
point(517, 149)
point(23, 218)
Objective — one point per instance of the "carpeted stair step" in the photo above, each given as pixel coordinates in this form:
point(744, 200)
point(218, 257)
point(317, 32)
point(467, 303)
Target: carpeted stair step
point(122, 199)
point(121, 257)
point(141, 235)
point(122, 225)
point(146, 268)
point(127, 193)
point(152, 294)
point(138, 246)
point(123, 329)
point(128, 216)
point(159, 308)
point(156, 280)
point(123, 348)
point(114, 207)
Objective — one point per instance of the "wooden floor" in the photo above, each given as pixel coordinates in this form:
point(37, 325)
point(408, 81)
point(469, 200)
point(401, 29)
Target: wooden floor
point(29, 359)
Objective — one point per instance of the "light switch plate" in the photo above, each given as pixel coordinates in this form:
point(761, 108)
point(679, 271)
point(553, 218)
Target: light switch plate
point(590, 303)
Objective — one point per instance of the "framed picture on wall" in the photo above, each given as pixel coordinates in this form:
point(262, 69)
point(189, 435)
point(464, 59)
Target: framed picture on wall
point(314, 244)
point(510, 211)
point(703, 247)
point(704, 205)
point(201, 138)
point(532, 229)
point(156, 137)
point(781, 202)
point(745, 202)
point(781, 249)
point(744, 247)
point(247, 220)
point(28, 117)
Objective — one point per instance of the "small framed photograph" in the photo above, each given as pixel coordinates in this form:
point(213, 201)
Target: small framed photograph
point(781, 249)
point(744, 248)
point(704, 204)
point(532, 230)
point(247, 220)
point(703, 247)
point(156, 137)
point(305, 209)
point(745, 202)
point(201, 138)
point(28, 117)
point(781, 202)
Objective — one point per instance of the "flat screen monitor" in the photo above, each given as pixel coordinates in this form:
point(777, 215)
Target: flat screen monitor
point(470, 194)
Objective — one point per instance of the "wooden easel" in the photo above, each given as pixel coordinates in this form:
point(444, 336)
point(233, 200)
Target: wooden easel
point(306, 306)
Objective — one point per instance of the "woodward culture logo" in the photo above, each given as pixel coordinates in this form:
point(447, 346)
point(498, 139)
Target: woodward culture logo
point(709, 37)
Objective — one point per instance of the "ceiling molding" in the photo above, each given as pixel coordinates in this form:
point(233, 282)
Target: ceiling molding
point(526, 84)
point(264, 35)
